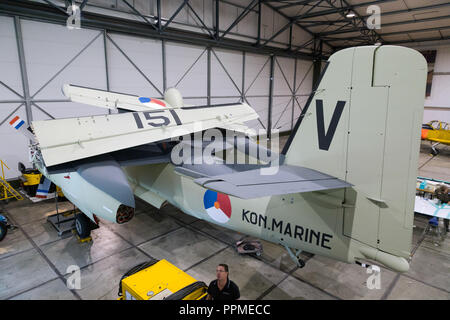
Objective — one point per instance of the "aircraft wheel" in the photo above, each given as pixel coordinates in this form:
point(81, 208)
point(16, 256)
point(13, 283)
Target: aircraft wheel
point(83, 226)
point(3, 230)
point(434, 152)
point(301, 263)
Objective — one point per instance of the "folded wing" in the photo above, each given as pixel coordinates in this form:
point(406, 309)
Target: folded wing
point(64, 140)
point(112, 100)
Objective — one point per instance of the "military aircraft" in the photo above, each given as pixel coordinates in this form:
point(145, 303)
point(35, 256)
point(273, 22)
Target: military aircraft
point(436, 132)
point(342, 187)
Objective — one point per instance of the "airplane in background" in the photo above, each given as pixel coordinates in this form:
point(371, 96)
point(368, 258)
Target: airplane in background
point(344, 187)
point(436, 132)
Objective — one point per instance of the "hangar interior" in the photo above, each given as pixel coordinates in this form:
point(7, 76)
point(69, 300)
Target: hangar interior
point(266, 53)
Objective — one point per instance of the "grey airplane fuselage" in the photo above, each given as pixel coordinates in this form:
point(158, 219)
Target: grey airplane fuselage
point(305, 221)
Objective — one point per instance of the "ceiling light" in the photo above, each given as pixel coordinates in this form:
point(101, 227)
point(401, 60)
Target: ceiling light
point(350, 14)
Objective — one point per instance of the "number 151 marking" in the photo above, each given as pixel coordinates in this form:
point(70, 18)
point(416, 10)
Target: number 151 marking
point(157, 120)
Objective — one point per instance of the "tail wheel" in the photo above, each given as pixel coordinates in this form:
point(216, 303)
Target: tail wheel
point(83, 226)
point(3, 230)
point(301, 263)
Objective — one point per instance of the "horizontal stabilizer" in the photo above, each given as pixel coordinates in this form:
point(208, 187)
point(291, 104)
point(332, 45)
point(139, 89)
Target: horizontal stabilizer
point(284, 179)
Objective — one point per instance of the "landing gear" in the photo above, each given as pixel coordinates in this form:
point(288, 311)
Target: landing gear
point(371, 267)
point(434, 151)
point(295, 257)
point(301, 263)
point(83, 226)
point(249, 247)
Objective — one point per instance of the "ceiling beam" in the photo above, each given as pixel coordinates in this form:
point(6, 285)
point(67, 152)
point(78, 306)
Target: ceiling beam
point(385, 25)
point(289, 24)
point(358, 5)
point(42, 12)
point(343, 8)
point(435, 6)
point(298, 3)
point(420, 40)
point(406, 41)
point(296, 23)
point(393, 33)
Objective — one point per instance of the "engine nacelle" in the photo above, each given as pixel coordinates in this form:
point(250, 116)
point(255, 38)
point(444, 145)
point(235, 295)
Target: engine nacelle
point(99, 188)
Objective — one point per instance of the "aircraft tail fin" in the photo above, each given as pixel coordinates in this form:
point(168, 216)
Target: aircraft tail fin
point(362, 125)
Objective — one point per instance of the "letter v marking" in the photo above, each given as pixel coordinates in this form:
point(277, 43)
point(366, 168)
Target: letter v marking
point(325, 138)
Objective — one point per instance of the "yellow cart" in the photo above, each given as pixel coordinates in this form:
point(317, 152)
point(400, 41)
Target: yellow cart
point(160, 280)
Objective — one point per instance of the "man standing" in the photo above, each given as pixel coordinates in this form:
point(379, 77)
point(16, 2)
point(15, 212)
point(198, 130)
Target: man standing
point(223, 288)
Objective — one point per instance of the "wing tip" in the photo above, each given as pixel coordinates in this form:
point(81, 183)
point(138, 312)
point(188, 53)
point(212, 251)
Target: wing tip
point(66, 89)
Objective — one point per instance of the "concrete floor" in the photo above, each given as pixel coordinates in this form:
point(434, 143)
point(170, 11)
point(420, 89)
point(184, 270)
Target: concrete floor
point(434, 167)
point(34, 259)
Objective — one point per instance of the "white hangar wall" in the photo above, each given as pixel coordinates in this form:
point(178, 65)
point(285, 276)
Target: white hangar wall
point(34, 66)
point(437, 105)
point(37, 58)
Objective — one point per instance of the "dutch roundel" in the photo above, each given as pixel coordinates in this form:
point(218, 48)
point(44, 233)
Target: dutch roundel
point(150, 101)
point(217, 205)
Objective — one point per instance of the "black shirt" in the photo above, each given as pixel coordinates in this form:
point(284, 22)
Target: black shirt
point(229, 292)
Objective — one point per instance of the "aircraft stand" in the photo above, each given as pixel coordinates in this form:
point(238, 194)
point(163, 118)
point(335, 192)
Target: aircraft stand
point(62, 221)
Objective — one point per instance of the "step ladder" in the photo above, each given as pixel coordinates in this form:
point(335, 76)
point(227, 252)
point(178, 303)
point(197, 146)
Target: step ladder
point(7, 192)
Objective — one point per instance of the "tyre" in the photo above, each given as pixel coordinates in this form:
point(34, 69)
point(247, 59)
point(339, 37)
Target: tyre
point(249, 247)
point(134, 270)
point(83, 226)
point(301, 263)
point(3, 230)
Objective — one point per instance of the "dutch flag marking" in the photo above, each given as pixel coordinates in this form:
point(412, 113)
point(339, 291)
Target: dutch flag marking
point(42, 189)
point(16, 122)
point(41, 193)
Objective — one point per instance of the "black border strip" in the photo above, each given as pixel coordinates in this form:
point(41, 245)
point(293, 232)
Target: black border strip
point(305, 109)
